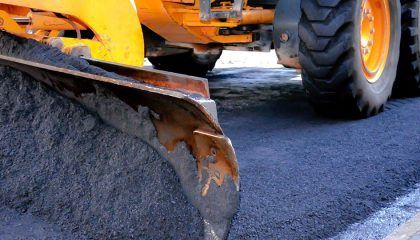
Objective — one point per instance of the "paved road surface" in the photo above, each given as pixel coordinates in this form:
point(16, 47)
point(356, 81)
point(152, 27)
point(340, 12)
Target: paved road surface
point(304, 176)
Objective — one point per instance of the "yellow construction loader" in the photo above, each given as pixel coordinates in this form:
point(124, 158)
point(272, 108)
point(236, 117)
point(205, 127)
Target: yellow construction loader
point(348, 52)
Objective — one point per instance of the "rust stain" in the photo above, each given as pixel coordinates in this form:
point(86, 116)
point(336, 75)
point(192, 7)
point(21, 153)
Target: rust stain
point(173, 81)
point(213, 151)
point(221, 159)
point(176, 118)
point(182, 124)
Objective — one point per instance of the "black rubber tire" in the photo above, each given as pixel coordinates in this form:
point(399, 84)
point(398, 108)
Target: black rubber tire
point(332, 74)
point(408, 77)
point(186, 63)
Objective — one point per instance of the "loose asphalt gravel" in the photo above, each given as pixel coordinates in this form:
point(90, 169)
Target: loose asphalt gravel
point(61, 163)
point(304, 176)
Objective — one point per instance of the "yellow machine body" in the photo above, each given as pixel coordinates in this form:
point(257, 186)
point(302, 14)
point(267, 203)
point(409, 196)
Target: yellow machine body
point(178, 21)
point(117, 25)
point(118, 34)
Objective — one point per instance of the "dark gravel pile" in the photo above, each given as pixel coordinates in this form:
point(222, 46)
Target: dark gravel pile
point(16, 226)
point(61, 163)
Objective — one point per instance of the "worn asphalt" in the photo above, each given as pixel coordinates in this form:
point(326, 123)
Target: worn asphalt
point(305, 176)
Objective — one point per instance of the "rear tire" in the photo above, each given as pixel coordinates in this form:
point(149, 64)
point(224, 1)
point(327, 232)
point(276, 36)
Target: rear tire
point(186, 63)
point(334, 69)
point(408, 77)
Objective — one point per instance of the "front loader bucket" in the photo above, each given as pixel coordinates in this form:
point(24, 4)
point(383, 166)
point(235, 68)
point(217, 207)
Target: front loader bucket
point(171, 113)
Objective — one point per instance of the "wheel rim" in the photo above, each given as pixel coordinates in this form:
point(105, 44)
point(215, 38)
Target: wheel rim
point(375, 37)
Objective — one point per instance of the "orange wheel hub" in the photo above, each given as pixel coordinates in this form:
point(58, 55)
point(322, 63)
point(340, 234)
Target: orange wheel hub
point(375, 35)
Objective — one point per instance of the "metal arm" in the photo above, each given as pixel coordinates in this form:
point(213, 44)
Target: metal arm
point(206, 14)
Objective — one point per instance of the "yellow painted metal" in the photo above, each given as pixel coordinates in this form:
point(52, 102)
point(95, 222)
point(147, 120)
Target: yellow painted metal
point(375, 35)
point(48, 21)
point(121, 40)
point(98, 50)
point(180, 23)
point(115, 24)
point(257, 16)
point(7, 23)
point(154, 15)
